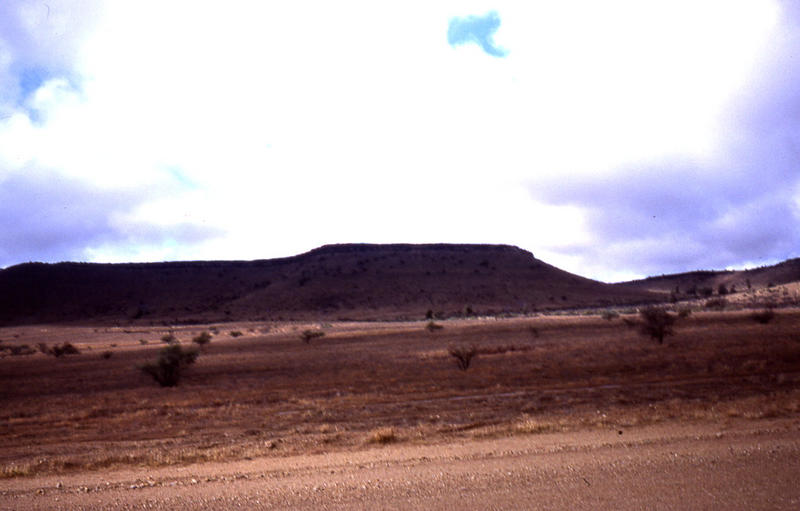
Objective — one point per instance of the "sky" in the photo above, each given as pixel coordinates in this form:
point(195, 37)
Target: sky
point(615, 139)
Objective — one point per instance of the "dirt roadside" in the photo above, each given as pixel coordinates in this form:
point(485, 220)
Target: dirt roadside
point(741, 465)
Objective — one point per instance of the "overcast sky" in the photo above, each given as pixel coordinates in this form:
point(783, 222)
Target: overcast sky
point(614, 139)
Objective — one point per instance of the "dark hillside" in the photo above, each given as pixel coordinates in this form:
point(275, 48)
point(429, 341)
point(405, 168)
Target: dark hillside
point(333, 282)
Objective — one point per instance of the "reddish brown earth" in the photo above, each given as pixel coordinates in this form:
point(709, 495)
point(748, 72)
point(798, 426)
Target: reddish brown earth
point(572, 412)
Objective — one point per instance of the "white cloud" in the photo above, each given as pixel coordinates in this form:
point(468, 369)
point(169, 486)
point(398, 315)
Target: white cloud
point(291, 125)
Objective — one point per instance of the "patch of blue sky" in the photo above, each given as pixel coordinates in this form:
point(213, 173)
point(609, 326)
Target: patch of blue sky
point(30, 80)
point(181, 178)
point(479, 30)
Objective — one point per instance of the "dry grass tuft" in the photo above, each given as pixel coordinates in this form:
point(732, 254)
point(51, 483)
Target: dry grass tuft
point(382, 436)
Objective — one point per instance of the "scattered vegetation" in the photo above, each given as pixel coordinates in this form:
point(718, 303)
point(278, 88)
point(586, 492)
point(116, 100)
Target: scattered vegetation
point(171, 361)
point(684, 312)
point(169, 338)
point(433, 326)
point(503, 348)
point(106, 355)
point(656, 323)
point(609, 315)
point(716, 304)
point(202, 339)
point(235, 333)
point(65, 349)
point(463, 355)
point(22, 349)
point(308, 335)
point(142, 341)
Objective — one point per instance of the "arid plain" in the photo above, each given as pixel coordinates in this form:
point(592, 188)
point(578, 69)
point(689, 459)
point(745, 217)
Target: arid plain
point(558, 410)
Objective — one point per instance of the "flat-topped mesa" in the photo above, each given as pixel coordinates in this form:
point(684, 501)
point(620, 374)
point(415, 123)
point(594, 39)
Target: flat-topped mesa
point(399, 248)
point(349, 281)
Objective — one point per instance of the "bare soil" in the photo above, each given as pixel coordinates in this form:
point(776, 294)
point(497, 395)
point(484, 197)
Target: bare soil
point(554, 412)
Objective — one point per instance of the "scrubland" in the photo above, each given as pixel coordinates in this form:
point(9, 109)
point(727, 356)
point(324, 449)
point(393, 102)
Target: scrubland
point(270, 393)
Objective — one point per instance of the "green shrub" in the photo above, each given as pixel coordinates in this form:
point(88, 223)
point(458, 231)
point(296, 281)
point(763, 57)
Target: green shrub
point(171, 361)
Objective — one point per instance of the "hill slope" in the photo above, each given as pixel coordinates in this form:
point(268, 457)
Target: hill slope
point(333, 282)
point(701, 283)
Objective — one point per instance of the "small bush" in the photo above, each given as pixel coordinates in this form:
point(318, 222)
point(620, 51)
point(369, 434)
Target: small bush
point(657, 323)
point(202, 339)
point(22, 349)
point(142, 341)
point(235, 333)
point(106, 355)
point(609, 315)
point(171, 361)
point(684, 312)
point(463, 355)
point(433, 326)
point(307, 335)
point(763, 316)
point(382, 436)
point(65, 349)
point(169, 338)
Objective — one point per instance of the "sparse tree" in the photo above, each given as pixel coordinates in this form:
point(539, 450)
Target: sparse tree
point(202, 339)
point(463, 355)
point(657, 323)
point(171, 361)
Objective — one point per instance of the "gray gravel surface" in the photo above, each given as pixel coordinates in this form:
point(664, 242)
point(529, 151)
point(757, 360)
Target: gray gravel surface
point(750, 465)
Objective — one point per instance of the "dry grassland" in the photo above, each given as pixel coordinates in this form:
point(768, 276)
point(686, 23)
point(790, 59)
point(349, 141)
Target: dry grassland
point(267, 393)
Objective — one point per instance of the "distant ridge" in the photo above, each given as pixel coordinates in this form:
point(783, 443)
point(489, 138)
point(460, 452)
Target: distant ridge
point(348, 281)
point(683, 284)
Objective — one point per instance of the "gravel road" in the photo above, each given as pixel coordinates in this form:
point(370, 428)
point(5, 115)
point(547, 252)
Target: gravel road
point(742, 465)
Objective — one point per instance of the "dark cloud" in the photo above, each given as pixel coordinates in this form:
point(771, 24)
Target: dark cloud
point(673, 216)
point(476, 29)
point(50, 218)
point(682, 215)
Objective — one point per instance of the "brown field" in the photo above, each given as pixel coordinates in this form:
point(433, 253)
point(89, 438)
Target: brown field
point(362, 388)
